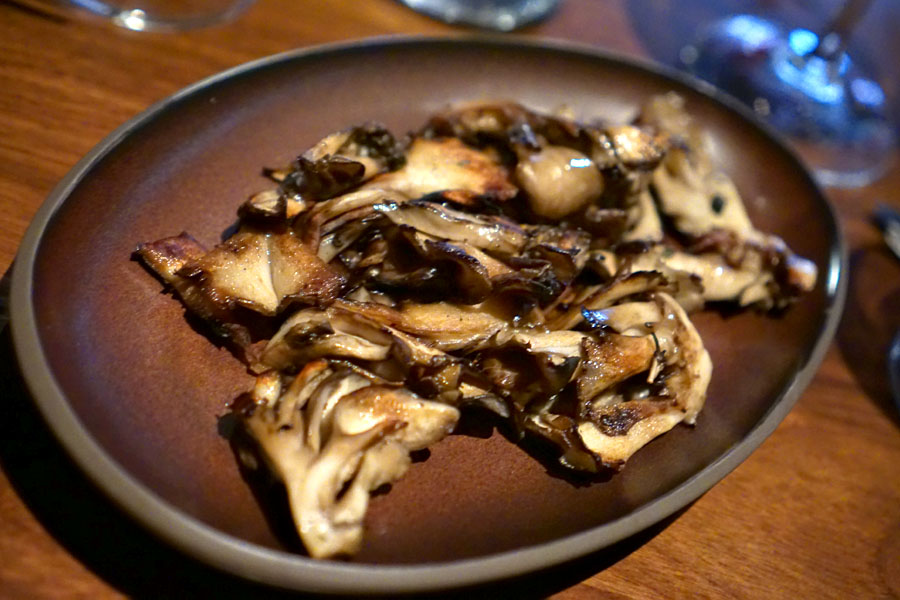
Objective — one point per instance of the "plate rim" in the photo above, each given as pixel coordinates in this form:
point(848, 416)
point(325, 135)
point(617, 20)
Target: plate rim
point(282, 569)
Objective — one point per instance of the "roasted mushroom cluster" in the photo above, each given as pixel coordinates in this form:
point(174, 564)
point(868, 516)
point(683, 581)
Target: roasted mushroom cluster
point(537, 267)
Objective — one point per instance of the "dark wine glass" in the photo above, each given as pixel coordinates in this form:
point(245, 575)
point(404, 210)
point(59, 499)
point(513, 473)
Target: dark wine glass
point(807, 86)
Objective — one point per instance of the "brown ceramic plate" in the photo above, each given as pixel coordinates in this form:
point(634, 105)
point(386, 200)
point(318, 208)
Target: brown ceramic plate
point(133, 388)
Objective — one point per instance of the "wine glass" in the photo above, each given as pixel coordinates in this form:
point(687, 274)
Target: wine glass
point(164, 15)
point(499, 15)
point(806, 86)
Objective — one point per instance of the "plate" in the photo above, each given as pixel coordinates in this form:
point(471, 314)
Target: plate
point(135, 390)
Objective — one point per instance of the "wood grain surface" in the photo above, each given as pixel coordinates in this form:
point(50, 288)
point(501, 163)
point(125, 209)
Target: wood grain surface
point(813, 513)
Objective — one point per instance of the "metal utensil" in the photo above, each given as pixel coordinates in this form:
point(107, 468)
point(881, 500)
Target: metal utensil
point(888, 219)
point(893, 368)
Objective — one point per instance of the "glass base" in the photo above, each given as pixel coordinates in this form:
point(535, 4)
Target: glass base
point(836, 165)
point(165, 15)
point(499, 15)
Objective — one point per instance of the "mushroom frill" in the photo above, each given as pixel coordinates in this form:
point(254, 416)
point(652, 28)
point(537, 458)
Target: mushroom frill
point(533, 266)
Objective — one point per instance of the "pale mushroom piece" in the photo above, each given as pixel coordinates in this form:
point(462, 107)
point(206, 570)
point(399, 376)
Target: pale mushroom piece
point(330, 526)
point(558, 181)
point(644, 223)
point(700, 202)
point(323, 402)
point(628, 318)
point(425, 422)
point(667, 115)
point(750, 278)
point(801, 272)
point(721, 281)
point(332, 438)
point(615, 450)
point(560, 342)
point(690, 189)
point(635, 147)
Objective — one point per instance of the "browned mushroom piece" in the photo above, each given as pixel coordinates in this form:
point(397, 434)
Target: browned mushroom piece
point(565, 249)
point(500, 125)
point(332, 225)
point(495, 234)
point(166, 257)
point(342, 161)
point(269, 208)
point(371, 144)
point(407, 263)
point(337, 163)
point(621, 419)
point(642, 372)
point(448, 165)
point(263, 272)
point(314, 333)
point(250, 276)
point(511, 126)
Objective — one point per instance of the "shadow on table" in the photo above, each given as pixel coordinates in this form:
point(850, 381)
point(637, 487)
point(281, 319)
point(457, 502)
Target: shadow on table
point(139, 565)
point(870, 321)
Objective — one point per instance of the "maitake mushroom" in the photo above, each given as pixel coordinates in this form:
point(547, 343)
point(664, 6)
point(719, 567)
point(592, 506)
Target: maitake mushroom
point(538, 267)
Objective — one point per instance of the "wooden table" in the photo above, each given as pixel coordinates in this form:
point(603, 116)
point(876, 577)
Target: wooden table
point(814, 513)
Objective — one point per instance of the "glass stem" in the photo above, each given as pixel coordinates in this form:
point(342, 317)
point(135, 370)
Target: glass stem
point(833, 42)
